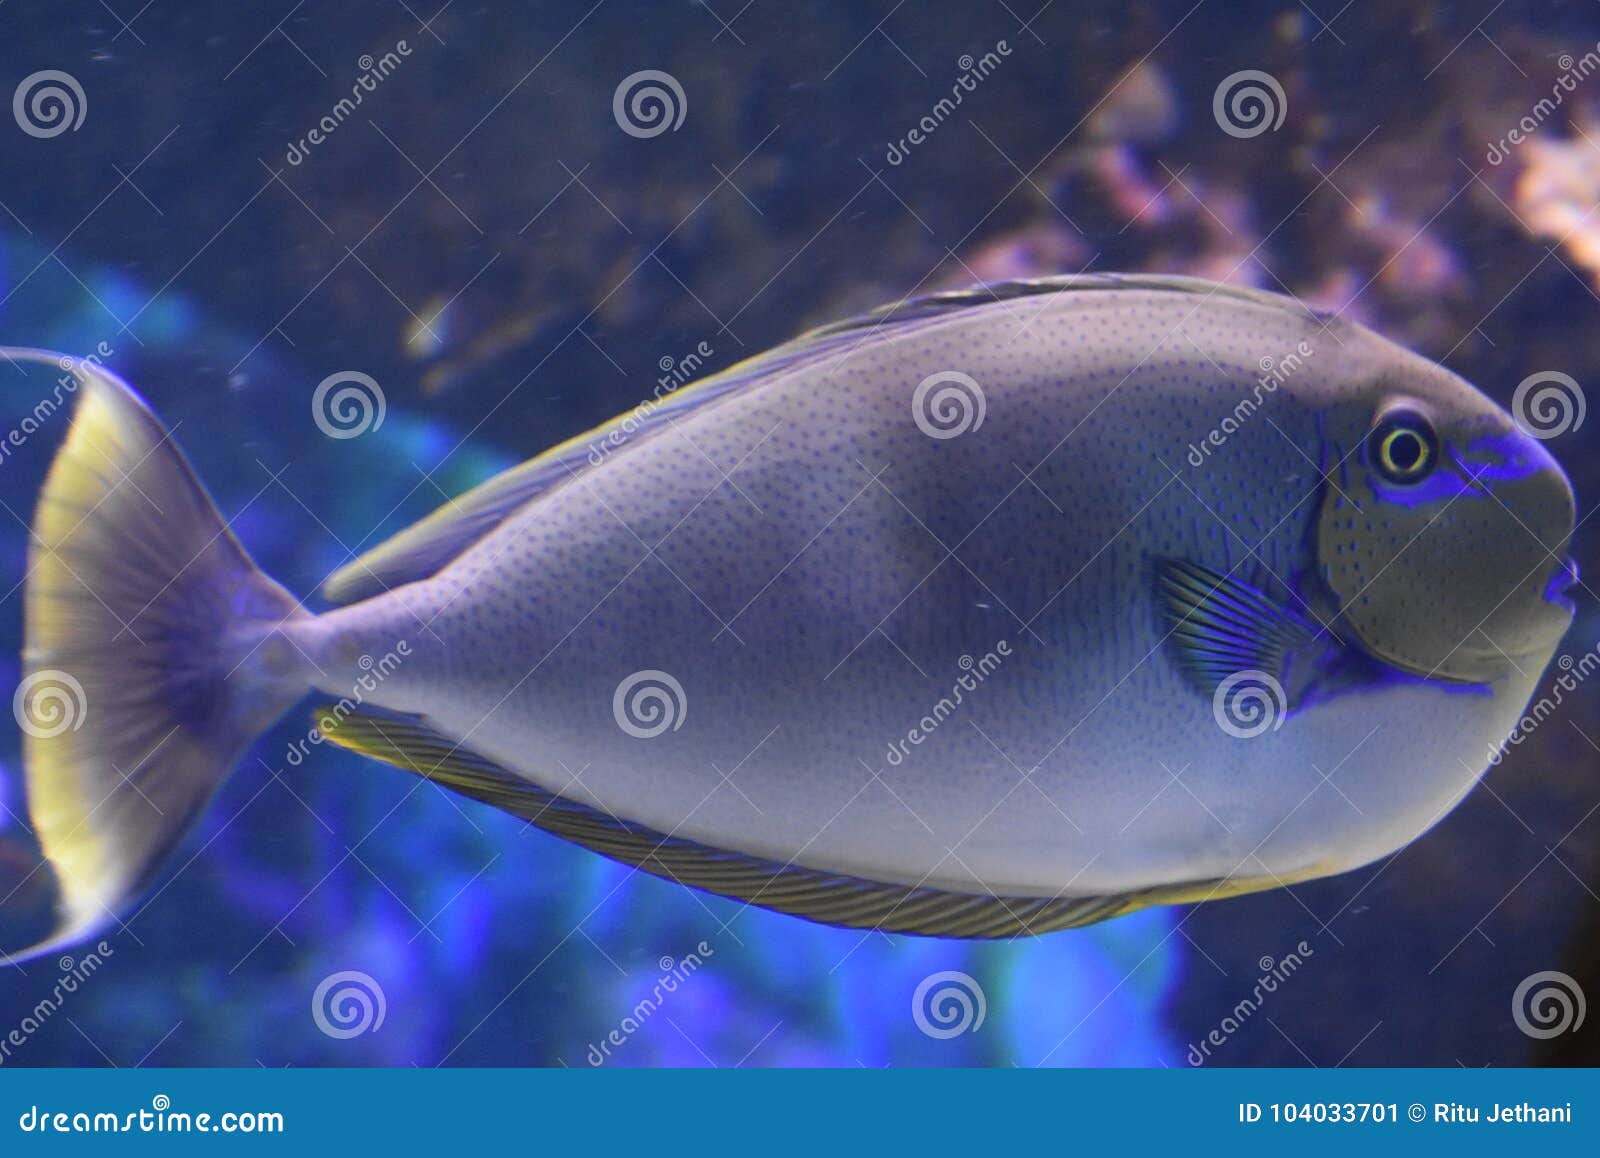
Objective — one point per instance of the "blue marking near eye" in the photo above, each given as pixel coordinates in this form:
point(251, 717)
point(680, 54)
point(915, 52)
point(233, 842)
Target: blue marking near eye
point(1439, 487)
point(1496, 458)
point(1504, 457)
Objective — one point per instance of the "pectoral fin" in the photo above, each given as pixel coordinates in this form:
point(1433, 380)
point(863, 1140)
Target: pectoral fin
point(1221, 626)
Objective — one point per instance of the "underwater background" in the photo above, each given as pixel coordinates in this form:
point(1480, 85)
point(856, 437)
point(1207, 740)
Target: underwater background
point(511, 249)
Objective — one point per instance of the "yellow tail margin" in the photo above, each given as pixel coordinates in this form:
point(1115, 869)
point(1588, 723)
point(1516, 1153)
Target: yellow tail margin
point(140, 612)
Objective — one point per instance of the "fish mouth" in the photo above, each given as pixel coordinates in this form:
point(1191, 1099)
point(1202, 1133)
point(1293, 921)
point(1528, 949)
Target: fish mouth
point(1561, 583)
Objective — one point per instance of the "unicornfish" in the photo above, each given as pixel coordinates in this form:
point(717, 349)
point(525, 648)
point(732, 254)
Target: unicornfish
point(993, 612)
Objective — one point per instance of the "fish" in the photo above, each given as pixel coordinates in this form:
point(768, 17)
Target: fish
point(990, 613)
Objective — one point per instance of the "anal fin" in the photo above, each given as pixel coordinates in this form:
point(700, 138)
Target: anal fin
point(829, 898)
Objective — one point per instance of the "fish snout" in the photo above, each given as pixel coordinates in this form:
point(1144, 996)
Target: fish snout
point(1565, 578)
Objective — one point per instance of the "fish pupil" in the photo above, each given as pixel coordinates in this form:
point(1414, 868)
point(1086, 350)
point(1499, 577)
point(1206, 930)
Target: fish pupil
point(1405, 450)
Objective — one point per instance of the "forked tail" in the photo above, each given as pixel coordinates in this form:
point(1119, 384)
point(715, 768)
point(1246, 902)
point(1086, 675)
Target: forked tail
point(148, 664)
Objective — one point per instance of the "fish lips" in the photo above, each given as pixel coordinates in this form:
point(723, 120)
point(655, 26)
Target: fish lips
point(1558, 589)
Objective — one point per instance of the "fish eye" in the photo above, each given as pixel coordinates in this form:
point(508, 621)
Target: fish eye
point(1403, 447)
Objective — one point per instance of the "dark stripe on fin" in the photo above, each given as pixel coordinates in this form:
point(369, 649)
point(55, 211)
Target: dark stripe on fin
point(957, 301)
point(829, 898)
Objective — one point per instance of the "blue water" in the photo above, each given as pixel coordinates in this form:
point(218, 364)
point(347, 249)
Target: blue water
point(483, 238)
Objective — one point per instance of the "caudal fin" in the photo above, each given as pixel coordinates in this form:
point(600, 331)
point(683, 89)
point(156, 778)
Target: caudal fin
point(143, 680)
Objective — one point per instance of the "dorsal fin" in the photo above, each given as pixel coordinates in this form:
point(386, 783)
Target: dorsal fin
point(948, 302)
point(423, 548)
point(831, 898)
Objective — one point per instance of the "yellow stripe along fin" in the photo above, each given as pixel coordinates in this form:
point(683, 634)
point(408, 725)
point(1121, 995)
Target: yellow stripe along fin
point(427, 545)
point(423, 548)
point(829, 898)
